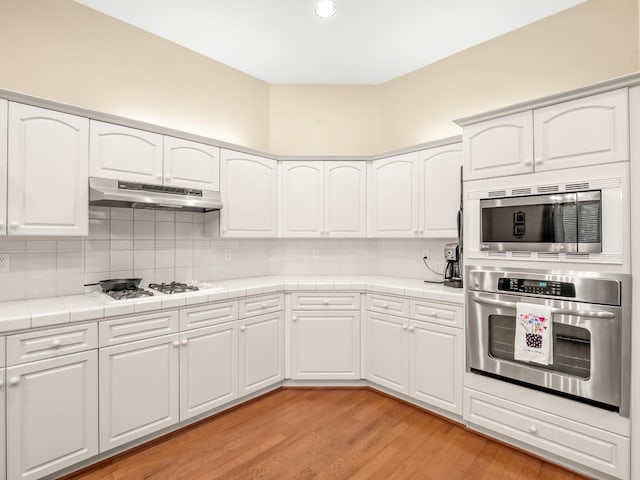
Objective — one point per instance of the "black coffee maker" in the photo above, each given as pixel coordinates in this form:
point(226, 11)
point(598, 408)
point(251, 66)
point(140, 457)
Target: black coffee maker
point(452, 277)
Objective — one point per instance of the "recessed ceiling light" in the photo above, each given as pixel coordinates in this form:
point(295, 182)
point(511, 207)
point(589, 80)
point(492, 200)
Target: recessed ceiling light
point(326, 8)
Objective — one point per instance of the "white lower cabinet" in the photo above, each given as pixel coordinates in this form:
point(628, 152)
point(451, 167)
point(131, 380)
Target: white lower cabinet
point(261, 352)
point(387, 352)
point(52, 414)
point(436, 356)
point(592, 447)
point(208, 368)
point(325, 345)
point(138, 389)
point(420, 359)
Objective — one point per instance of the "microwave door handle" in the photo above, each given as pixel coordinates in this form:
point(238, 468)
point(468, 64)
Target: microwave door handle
point(555, 311)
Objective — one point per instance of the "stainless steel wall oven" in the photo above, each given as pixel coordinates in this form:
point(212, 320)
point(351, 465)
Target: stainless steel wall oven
point(591, 315)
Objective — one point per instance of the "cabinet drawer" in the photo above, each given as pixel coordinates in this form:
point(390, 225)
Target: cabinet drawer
point(325, 301)
point(2, 352)
point(437, 313)
point(53, 342)
point(388, 304)
point(262, 304)
point(196, 317)
point(129, 329)
point(598, 449)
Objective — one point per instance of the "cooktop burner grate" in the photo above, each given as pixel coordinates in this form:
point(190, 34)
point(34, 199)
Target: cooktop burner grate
point(173, 287)
point(128, 293)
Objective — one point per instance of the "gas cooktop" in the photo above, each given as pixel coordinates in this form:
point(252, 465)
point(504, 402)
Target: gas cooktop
point(173, 287)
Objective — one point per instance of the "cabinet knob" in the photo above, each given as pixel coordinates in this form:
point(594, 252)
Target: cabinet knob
point(294, 318)
point(176, 343)
point(412, 328)
point(326, 232)
point(421, 230)
point(168, 178)
point(159, 176)
point(404, 327)
point(325, 302)
point(56, 343)
point(539, 161)
point(13, 225)
point(434, 314)
point(224, 230)
point(527, 162)
point(385, 305)
point(14, 381)
point(264, 305)
point(243, 328)
point(533, 429)
point(185, 341)
point(415, 231)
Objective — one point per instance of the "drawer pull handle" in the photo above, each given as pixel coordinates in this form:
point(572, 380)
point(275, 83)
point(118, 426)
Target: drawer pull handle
point(14, 381)
point(56, 343)
point(185, 341)
point(176, 343)
point(243, 328)
point(533, 429)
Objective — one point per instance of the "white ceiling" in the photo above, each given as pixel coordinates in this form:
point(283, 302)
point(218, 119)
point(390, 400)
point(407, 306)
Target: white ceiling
point(367, 42)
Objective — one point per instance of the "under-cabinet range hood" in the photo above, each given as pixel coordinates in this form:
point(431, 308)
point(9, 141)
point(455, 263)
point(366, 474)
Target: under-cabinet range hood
point(107, 192)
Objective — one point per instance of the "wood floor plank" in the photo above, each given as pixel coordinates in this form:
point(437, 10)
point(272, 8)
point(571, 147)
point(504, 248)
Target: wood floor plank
point(325, 435)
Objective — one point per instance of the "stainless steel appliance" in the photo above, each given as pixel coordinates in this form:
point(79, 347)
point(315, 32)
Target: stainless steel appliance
point(591, 316)
point(452, 272)
point(107, 192)
point(560, 222)
point(173, 287)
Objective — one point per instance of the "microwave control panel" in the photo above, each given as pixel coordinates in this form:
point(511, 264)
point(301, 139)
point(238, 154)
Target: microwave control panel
point(537, 287)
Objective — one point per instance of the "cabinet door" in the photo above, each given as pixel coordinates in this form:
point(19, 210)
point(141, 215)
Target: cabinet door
point(47, 172)
point(345, 199)
point(3, 430)
point(440, 190)
point(4, 117)
point(208, 368)
point(261, 352)
point(138, 389)
point(325, 345)
point(498, 147)
point(249, 191)
point(52, 414)
point(190, 164)
point(586, 131)
point(393, 197)
point(436, 364)
point(387, 351)
point(302, 204)
point(125, 153)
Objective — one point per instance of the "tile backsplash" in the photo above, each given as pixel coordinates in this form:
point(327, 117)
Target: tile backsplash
point(163, 246)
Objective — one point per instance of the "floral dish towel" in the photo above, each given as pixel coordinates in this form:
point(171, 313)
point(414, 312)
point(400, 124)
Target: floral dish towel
point(534, 334)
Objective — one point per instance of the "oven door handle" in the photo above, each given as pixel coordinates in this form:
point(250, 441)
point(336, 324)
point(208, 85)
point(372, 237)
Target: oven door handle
point(555, 311)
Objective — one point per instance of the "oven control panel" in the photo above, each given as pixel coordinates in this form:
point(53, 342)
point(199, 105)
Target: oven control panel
point(537, 287)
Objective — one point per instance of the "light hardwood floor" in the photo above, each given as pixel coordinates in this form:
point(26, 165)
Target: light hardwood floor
point(325, 434)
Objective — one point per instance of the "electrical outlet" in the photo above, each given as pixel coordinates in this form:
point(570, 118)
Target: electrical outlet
point(425, 254)
point(4, 262)
point(315, 253)
point(227, 255)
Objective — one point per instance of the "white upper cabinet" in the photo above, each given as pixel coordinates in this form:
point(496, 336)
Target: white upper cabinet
point(302, 205)
point(345, 199)
point(393, 197)
point(249, 191)
point(440, 190)
point(498, 147)
point(323, 199)
point(125, 153)
point(582, 132)
point(4, 114)
point(191, 164)
point(47, 172)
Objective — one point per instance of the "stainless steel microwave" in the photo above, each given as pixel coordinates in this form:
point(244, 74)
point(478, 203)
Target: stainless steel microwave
point(560, 222)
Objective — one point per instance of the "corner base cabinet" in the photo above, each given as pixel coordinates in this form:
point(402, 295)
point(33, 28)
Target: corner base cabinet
point(52, 414)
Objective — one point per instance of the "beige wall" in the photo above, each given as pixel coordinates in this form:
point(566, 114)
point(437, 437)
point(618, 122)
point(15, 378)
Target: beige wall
point(594, 41)
point(324, 119)
point(63, 51)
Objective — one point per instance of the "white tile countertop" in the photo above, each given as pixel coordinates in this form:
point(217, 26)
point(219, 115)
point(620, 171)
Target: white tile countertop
point(43, 312)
